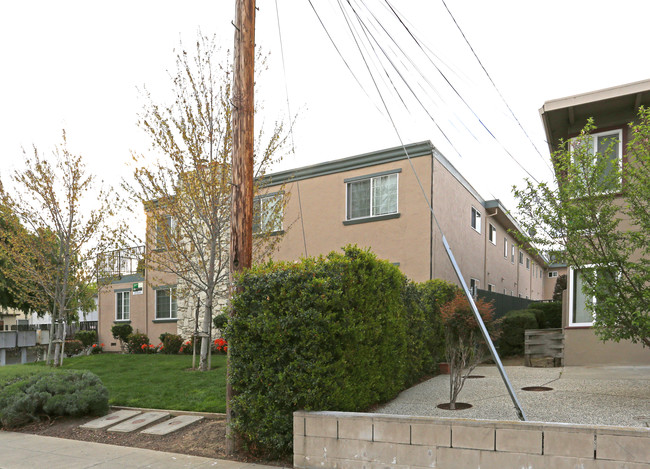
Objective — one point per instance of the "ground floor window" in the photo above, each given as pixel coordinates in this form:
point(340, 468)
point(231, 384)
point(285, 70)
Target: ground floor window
point(581, 305)
point(166, 305)
point(122, 306)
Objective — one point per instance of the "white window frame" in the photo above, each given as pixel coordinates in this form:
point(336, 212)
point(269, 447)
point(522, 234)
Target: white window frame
point(475, 219)
point(121, 294)
point(505, 291)
point(594, 141)
point(492, 233)
point(552, 274)
point(527, 263)
point(513, 254)
point(264, 201)
point(521, 257)
point(172, 293)
point(372, 179)
point(491, 287)
point(505, 248)
point(571, 287)
point(474, 284)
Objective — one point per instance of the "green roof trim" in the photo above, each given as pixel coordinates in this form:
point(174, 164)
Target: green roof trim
point(364, 160)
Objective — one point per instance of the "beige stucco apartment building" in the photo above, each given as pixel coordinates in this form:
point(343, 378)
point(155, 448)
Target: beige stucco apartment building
point(563, 119)
point(375, 200)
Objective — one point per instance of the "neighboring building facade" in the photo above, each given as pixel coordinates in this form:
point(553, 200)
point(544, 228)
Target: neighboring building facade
point(612, 109)
point(374, 200)
point(144, 299)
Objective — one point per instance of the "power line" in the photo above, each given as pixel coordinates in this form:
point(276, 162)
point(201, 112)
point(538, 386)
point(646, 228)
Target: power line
point(284, 71)
point(495, 86)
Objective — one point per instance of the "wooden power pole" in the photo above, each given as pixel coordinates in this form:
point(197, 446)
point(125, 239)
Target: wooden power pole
point(241, 224)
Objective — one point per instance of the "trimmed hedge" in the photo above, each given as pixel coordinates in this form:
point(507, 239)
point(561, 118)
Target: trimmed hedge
point(513, 325)
point(425, 346)
point(548, 315)
point(322, 334)
point(171, 343)
point(74, 393)
point(87, 338)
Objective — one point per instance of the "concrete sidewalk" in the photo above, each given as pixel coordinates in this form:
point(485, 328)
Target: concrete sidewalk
point(597, 395)
point(25, 451)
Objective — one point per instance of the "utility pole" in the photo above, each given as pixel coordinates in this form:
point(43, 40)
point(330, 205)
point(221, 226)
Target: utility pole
point(241, 224)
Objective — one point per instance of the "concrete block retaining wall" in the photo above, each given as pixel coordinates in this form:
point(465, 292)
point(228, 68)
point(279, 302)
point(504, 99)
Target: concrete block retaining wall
point(369, 441)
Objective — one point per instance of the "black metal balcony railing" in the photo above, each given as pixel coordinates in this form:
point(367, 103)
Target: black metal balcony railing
point(121, 262)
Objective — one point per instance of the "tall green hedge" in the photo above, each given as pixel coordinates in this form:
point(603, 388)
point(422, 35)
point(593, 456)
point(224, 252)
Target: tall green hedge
point(548, 315)
point(332, 333)
point(513, 327)
point(425, 346)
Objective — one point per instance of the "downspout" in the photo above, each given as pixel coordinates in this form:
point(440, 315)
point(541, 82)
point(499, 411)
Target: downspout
point(487, 229)
point(431, 240)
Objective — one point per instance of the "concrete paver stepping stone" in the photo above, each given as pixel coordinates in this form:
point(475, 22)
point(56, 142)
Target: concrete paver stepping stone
point(139, 421)
point(174, 424)
point(111, 419)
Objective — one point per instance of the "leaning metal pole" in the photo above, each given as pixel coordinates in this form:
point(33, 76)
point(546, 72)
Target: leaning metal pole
point(486, 335)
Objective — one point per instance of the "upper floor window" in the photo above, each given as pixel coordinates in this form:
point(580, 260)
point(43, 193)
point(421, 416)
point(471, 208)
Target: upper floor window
point(475, 220)
point(372, 196)
point(521, 257)
point(122, 306)
point(267, 213)
point(165, 226)
point(528, 263)
point(166, 305)
point(581, 305)
point(512, 255)
point(493, 234)
point(552, 273)
point(505, 247)
point(607, 149)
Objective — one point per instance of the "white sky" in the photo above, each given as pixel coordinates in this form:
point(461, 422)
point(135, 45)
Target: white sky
point(77, 65)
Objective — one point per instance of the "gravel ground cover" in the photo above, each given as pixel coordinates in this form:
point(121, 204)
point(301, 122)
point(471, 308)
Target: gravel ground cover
point(604, 395)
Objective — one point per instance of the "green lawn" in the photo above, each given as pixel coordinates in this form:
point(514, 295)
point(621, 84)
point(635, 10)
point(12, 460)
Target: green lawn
point(154, 381)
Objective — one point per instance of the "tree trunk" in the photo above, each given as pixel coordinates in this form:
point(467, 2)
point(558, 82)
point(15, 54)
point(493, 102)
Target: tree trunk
point(205, 339)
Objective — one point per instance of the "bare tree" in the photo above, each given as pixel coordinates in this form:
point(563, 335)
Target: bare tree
point(53, 260)
point(186, 193)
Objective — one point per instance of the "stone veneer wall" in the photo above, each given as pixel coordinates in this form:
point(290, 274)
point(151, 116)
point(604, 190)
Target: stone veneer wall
point(354, 440)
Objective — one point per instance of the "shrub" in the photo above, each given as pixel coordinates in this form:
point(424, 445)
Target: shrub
point(162, 337)
point(465, 346)
point(425, 345)
point(187, 347)
point(122, 332)
point(74, 393)
point(220, 321)
point(548, 315)
point(73, 347)
point(219, 346)
point(514, 323)
point(321, 334)
point(172, 343)
point(97, 348)
point(87, 338)
point(135, 341)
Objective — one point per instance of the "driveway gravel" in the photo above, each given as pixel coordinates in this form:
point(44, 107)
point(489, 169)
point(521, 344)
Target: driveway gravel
point(603, 395)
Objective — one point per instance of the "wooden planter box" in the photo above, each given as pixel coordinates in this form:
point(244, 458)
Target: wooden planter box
point(544, 348)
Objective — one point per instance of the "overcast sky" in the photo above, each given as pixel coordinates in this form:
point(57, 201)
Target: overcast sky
point(77, 65)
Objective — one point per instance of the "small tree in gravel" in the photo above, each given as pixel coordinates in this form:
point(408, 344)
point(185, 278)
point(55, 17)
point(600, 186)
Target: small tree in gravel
point(465, 347)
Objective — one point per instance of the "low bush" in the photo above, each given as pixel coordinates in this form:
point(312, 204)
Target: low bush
point(321, 334)
point(513, 325)
point(135, 342)
point(52, 394)
point(87, 338)
point(220, 321)
point(548, 315)
point(219, 346)
point(172, 343)
point(187, 347)
point(97, 348)
point(73, 347)
point(122, 332)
